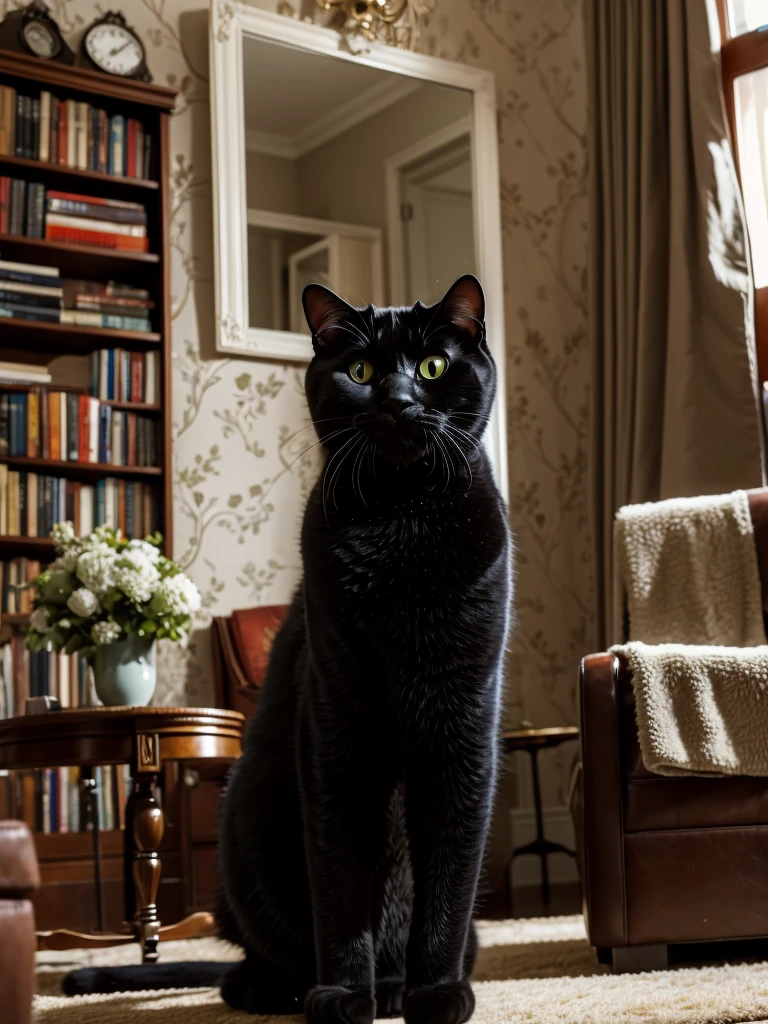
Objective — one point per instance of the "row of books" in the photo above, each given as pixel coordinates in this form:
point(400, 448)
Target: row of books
point(38, 422)
point(29, 291)
point(15, 593)
point(31, 503)
point(25, 674)
point(60, 805)
point(28, 209)
point(72, 134)
point(121, 376)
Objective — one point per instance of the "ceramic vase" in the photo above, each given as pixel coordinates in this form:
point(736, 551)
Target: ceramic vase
point(124, 673)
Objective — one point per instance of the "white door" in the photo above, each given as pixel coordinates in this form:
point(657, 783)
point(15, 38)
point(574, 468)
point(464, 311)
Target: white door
point(437, 221)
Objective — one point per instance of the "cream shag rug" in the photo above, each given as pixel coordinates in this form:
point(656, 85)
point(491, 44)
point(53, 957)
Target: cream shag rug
point(537, 971)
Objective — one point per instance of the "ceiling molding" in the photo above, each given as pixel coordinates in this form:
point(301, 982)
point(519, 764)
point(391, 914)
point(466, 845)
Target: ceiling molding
point(337, 121)
point(271, 144)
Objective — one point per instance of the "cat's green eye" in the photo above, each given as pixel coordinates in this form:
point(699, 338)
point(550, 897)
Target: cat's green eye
point(361, 371)
point(433, 367)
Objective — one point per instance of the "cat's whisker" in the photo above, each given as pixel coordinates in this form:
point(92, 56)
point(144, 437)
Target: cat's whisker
point(359, 463)
point(309, 426)
point(327, 437)
point(334, 481)
point(326, 491)
point(461, 453)
point(451, 428)
point(447, 461)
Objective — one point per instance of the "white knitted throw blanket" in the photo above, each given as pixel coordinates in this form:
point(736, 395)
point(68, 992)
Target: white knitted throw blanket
point(688, 568)
point(700, 710)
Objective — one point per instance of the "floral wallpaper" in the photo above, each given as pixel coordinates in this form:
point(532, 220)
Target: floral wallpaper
point(240, 426)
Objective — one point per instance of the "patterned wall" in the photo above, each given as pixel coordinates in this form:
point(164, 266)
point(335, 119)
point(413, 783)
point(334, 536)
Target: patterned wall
point(239, 424)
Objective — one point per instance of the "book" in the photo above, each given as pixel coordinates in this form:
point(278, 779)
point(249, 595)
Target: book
point(44, 146)
point(17, 204)
point(81, 136)
point(83, 318)
point(14, 296)
point(25, 312)
point(28, 372)
point(35, 210)
point(7, 120)
point(37, 271)
point(34, 140)
point(54, 133)
point(5, 204)
point(63, 134)
point(96, 210)
point(71, 122)
point(116, 152)
point(82, 236)
point(92, 224)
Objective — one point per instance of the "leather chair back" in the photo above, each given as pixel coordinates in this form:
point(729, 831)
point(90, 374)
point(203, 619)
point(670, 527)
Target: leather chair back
point(241, 645)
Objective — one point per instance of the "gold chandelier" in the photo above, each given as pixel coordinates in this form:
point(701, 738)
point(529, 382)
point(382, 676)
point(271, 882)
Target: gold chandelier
point(371, 16)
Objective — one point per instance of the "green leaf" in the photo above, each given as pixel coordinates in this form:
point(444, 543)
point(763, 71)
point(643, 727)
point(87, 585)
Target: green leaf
point(243, 381)
point(148, 626)
point(234, 500)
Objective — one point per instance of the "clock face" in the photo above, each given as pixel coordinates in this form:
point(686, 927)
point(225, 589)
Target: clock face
point(115, 49)
point(40, 38)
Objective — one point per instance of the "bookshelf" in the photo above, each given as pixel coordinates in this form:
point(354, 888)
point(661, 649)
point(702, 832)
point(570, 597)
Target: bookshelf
point(67, 897)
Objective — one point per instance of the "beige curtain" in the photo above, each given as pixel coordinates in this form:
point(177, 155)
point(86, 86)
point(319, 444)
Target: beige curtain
point(674, 404)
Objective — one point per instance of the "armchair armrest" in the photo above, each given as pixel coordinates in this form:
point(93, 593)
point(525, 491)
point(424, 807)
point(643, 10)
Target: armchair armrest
point(19, 877)
point(602, 824)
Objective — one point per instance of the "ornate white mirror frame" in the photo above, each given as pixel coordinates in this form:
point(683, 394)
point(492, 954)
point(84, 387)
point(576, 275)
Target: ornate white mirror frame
point(230, 23)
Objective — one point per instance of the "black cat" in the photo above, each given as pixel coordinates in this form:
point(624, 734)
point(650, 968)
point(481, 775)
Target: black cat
point(353, 826)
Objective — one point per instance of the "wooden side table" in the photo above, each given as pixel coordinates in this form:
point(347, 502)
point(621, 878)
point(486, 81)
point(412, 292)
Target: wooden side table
point(533, 740)
point(144, 738)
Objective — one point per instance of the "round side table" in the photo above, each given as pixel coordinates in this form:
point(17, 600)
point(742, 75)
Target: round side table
point(532, 741)
point(144, 738)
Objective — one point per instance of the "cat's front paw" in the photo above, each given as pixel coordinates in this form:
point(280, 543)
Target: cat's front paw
point(334, 1004)
point(449, 1003)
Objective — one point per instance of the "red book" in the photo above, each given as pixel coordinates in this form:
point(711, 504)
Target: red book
point(137, 373)
point(84, 433)
point(62, 141)
point(131, 162)
point(102, 239)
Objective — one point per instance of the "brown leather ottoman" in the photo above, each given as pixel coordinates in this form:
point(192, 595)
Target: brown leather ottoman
point(19, 877)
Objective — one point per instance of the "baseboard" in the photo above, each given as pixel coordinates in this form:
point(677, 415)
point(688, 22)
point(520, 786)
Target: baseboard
point(558, 827)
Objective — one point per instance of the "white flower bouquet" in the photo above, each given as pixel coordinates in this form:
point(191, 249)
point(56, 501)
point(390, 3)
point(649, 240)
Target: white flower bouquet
point(104, 588)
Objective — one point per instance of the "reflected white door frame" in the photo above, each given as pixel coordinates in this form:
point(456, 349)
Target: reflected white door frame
point(393, 170)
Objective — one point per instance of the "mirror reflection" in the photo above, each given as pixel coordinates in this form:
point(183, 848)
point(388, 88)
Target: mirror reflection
point(344, 186)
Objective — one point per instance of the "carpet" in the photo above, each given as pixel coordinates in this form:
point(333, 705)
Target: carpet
point(536, 971)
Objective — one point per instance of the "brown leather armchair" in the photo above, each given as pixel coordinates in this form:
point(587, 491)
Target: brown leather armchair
point(663, 860)
point(19, 877)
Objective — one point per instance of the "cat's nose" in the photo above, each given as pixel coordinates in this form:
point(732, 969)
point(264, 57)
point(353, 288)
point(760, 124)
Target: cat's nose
point(395, 394)
point(396, 404)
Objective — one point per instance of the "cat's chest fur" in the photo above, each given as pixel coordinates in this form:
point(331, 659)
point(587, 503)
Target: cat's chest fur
point(416, 557)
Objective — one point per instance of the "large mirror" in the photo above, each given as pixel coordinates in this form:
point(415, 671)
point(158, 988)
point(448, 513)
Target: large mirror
point(374, 174)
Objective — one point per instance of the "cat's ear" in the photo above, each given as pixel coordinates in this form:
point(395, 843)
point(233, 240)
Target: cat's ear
point(331, 320)
point(463, 305)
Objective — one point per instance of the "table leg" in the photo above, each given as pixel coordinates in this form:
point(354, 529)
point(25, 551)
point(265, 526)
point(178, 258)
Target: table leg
point(91, 790)
point(540, 841)
point(148, 828)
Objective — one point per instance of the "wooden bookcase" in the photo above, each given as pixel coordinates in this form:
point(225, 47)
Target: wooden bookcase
point(67, 896)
